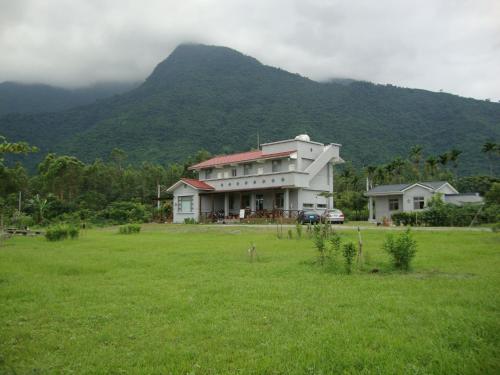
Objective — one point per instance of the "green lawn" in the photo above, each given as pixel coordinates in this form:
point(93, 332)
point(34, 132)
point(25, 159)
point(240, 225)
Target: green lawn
point(186, 299)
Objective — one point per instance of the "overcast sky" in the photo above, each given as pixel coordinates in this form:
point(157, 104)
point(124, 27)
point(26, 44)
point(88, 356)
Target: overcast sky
point(452, 45)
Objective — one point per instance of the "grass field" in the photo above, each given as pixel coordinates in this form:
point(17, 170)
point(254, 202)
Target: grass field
point(187, 300)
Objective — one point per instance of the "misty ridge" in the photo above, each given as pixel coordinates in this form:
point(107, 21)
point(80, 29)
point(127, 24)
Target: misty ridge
point(218, 99)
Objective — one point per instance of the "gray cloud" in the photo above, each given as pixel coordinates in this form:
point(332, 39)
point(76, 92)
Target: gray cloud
point(450, 44)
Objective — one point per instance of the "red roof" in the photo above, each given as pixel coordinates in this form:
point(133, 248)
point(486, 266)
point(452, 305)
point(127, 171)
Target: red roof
point(197, 184)
point(241, 157)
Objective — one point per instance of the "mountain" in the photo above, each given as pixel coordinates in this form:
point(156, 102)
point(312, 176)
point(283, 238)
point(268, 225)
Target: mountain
point(33, 98)
point(219, 99)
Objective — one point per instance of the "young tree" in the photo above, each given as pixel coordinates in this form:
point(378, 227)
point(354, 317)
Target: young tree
point(431, 166)
point(416, 156)
point(453, 157)
point(489, 149)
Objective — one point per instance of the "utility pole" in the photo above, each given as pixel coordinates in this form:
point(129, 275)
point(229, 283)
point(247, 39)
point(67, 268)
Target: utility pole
point(158, 196)
point(258, 140)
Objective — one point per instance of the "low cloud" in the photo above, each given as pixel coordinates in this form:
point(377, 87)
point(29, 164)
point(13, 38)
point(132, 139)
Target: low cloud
point(450, 45)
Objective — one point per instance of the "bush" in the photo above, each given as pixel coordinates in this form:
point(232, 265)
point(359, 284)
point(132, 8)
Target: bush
point(348, 251)
point(319, 242)
point(405, 218)
point(61, 231)
point(189, 220)
point(298, 229)
point(125, 212)
point(129, 229)
point(402, 249)
point(21, 220)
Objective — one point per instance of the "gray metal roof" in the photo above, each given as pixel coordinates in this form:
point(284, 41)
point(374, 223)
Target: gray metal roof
point(434, 184)
point(388, 188)
point(398, 188)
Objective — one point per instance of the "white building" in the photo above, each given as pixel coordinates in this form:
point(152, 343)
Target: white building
point(281, 178)
point(385, 200)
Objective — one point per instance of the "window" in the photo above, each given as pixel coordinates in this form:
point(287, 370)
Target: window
point(259, 202)
point(247, 169)
point(279, 200)
point(418, 203)
point(219, 174)
point(245, 201)
point(393, 204)
point(185, 204)
point(321, 205)
point(234, 172)
point(208, 173)
point(276, 165)
point(260, 170)
point(307, 205)
point(226, 174)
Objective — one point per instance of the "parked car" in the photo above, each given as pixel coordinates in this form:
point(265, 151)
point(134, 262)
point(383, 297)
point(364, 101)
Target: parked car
point(333, 216)
point(308, 217)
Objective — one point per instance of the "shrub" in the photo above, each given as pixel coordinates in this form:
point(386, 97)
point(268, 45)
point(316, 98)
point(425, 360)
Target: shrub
point(73, 231)
point(319, 243)
point(298, 229)
point(402, 249)
point(125, 212)
point(290, 234)
point(349, 252)
point(405, 218)
point(129, 229)
point(61, 231)
point(189, 220)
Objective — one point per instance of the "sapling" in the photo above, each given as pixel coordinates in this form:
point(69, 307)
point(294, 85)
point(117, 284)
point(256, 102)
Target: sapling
point(319, 243)
point(402, 249)
point(298, 229)
point(349, 252)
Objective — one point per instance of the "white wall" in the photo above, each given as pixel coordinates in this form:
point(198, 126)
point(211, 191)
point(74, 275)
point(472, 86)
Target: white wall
point(311, 196)
point(323, 180)
point(382, 206)
point(416, 191)
point(186, 190)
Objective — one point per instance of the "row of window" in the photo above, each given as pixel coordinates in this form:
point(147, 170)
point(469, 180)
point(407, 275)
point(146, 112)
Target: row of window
point(247, 170)
point(418, 203)
point(185, 203)
point(246, 182)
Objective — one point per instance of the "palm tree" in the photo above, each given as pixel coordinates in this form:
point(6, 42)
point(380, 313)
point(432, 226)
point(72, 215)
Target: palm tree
point(489, 148)
point(431, 165)
point(370, 173)
point(453, 157)
point(416, 156)
point(397, 166)
point(380, 175)
point(443, 159)
point(39, 206)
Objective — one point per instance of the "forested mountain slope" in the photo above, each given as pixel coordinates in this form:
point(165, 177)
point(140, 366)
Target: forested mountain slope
point(32, 98)
point(218, 99)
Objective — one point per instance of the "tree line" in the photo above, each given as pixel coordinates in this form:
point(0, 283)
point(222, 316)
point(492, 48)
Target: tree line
point(114, 191)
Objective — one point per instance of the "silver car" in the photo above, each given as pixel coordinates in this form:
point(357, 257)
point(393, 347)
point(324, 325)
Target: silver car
point(334, 216)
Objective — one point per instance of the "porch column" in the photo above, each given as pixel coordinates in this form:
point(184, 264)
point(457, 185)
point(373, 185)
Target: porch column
point(252, 202)
point(286, 202)
point(370, 209)
point(226, 204)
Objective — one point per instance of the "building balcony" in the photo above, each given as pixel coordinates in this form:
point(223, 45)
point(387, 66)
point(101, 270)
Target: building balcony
point(259, 181)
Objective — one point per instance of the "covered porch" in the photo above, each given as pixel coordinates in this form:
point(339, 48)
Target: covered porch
point(263, 203)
